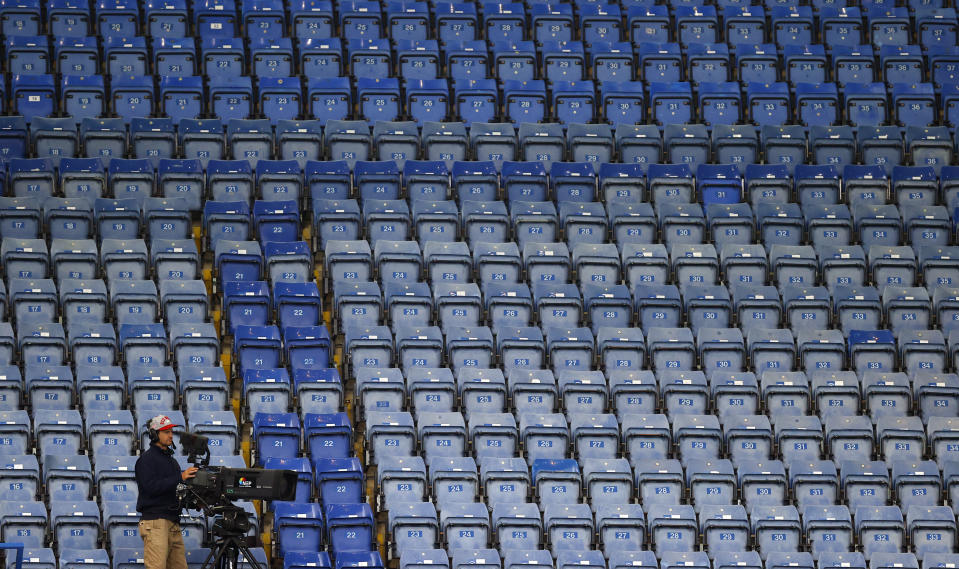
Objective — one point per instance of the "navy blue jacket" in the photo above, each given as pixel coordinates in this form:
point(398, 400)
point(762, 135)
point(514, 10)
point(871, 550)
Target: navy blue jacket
point(158, 474)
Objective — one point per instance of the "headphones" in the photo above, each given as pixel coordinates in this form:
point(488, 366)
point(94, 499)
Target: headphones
point(155, 438)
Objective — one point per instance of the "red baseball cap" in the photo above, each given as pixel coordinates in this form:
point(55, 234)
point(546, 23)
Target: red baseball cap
point(162, 423)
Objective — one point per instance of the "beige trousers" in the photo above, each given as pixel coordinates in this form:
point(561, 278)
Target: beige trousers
point(162, 545)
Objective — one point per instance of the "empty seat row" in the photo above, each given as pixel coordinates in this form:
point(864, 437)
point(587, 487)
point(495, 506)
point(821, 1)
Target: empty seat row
point(157, 142)
point(516, 101)
point(724, 529)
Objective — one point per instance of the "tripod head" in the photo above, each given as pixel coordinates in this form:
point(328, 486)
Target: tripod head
point(233, 521)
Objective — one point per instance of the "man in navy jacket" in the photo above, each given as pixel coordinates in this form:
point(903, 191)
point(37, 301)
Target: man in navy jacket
point(158, 475)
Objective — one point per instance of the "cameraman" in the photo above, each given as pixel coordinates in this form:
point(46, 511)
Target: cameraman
point(158, 475)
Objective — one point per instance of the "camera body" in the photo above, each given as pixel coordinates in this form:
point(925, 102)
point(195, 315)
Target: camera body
point(214, 487)
point(244, 483)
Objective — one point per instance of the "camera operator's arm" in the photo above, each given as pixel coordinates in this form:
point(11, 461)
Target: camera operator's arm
point(153, 485)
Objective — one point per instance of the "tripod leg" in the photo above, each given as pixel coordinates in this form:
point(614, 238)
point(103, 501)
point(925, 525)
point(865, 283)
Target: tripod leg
point(219, 561)
point(232, 559)
point(219, 554)
point(209, 556)
point(248, 555)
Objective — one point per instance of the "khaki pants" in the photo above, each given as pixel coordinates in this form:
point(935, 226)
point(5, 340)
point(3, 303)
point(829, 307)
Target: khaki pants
point(162, 545)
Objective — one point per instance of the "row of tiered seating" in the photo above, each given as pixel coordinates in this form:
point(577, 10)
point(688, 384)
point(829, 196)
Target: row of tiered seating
point(515, 100)
point(292, 152)
point(273, 19)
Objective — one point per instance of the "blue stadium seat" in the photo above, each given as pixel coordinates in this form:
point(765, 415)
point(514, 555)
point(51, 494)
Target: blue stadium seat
point(181, 179)
point(624, 104)
point(672, 528)
point(225, 220)
point(317, 391)
point(865, 102)
point(494, 434)
point(819, 184)
point(505, 480)
point(298, 526)
point(832, 145)
point(536, 390)
point(697, 437)
point(427, 181)
point(518, 526)
point(70, 479)
point(176, 59)
point(735, 144)
point(276, 435)
point(514, 60)
point(184, 302)
point(776, 528)
point(335, 220)
point(349, 527)
point(279, 180)
point(734, 392)
point(915, 485)
point(20, 477)
point(330, 99)
point(838, 559)
point(276, 222)
point(95, 345)
point(27, 521)
point(708, 62)
point(175, 259)
point(127, 558)
point(563, 60)
point(836, 393)
point(828, 528)
point(940, 60)
point(419, 59)
point(402, 479)
point(913, 104)
point(721, 349)
point(267, 390)
point(413, 525)
point(167, 218)
point(573, 101)
point(930, 528)
point(124, 259)
point(805, 64)
point(322, 57)
point(672, 103)
point(54, 138)
point(757, 62)
point(298, 140)
point(202, 139)
point(29, 54)
point(768, 103)
point(466, 524)
point(866, 483)
point(786, 391)
point(444, 141)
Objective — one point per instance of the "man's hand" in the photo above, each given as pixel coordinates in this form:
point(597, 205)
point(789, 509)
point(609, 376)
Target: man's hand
point(189, 473)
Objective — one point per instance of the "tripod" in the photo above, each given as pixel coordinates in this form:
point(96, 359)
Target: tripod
point(228, 532)
point(226, 550)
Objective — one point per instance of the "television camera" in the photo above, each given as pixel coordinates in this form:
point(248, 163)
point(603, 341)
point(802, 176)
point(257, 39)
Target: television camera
point(212, 490)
